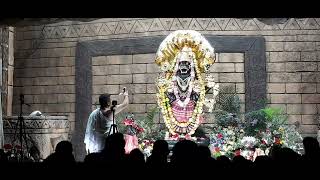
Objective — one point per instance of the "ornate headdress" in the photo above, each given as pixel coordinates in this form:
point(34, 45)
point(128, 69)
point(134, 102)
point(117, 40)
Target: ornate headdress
point(181, 41)
point(186, 54)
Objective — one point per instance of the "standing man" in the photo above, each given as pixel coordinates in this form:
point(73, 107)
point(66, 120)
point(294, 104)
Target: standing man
point(100, 121)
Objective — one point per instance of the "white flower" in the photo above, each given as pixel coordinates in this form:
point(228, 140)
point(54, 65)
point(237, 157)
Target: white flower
point(147, 152)
point(196, 87)
point(209, 103)
point(165, 67)
point(248, 141)
point(162, 81)
point(230, 132)
point(210, 81)
point(216, 90)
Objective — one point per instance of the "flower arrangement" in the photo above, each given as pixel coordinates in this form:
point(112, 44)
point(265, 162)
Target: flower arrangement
point(261, 129)
point(146, 130)
point(146, 147)
point(225, 140)
point(248, 144)
point(231, 141)
point(277, 131)
point(134, 128)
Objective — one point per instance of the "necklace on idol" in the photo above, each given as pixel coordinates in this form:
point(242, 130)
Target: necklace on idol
point(186, 101)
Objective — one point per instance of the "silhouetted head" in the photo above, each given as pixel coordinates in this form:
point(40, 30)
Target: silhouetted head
point(3, 156)
point(136, 156)
point(114, 149)
point(115, 141)
point(63, 154)
point(184, 151)
point(223, 161)
point(287, 154)
point(311, 145)
point(92, 158)
point(204, 153)
point(64, 147)
point(2, 152)
point(262, 160)
point(239, 159)
point(104, 100)
point(160, 147)
point(274, 152)
point(240, 162)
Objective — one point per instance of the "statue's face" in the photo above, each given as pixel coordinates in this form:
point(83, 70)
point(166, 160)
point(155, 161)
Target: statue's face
point(183, 75)
point(184, 67)
point(184, 70)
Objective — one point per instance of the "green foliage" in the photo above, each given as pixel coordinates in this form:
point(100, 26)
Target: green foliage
point(254, 122)
point(292, 138)
point(274, 117)
point(152, 130)
point(227, 111)
point(228, 100)
point(270, 118)
point(226, 119)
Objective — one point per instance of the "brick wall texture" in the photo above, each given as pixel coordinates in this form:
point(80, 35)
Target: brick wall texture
point(45, 64)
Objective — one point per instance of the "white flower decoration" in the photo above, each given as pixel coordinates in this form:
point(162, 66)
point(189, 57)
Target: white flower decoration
point(248, 141)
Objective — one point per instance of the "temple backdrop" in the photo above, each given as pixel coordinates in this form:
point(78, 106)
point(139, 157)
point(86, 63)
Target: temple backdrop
point(44, 68)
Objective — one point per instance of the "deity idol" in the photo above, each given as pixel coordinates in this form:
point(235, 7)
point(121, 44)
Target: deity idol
point(184, 58)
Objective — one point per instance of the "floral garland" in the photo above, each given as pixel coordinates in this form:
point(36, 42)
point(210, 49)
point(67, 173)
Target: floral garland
point(166, 58)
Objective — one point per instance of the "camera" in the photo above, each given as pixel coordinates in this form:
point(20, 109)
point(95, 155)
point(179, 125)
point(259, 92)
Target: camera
point(114, 103)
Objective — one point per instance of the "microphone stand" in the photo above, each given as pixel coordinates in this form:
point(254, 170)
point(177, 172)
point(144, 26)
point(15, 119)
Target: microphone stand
point(22, 129)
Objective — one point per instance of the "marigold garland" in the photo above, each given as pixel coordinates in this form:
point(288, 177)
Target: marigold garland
point(166, 59)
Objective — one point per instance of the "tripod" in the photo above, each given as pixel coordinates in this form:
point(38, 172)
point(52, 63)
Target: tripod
point(113, 128)
point(22, 129)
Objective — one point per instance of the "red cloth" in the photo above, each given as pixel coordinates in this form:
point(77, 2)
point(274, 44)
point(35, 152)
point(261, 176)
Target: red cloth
point(131, 143)
point(183, 114)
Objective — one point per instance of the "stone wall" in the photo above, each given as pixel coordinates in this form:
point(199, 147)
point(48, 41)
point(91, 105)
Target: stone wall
point(45, 63)
point(138, 73)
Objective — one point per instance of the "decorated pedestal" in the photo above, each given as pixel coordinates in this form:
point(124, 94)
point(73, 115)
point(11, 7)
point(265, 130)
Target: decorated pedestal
point(43, 132)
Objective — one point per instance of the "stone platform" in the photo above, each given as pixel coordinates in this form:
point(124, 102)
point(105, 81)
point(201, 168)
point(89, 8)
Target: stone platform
point(42, 131)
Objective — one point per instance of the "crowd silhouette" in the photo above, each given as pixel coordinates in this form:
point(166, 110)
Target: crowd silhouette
point(185, 154)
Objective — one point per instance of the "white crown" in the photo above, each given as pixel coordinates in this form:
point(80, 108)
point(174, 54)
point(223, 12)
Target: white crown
point(186, 54)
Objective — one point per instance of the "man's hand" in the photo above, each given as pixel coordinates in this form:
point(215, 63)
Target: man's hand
point(124, 92)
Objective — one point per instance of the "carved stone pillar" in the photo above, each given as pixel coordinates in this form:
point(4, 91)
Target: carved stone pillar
point(6, 77)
